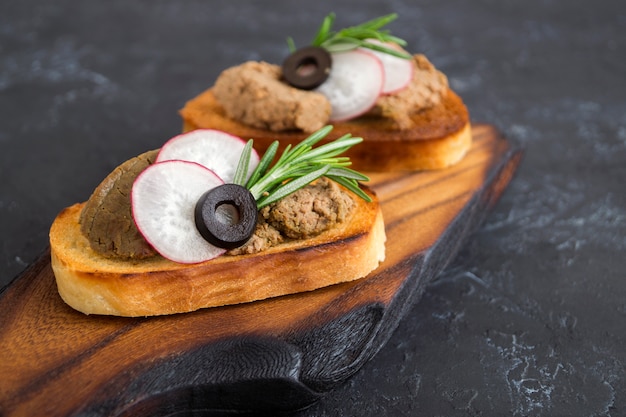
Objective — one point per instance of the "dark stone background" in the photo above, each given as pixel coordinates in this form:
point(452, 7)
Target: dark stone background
point(530, 319)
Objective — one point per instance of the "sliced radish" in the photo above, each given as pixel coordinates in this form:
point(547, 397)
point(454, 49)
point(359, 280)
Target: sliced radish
point(354, 84)
point(163, 200)
point(214, 149)
point(398, 71)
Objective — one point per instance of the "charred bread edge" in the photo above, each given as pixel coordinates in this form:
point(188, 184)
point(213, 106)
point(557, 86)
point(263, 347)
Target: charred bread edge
point(95, 285)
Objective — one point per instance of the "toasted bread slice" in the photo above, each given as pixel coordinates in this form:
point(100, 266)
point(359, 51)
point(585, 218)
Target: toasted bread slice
point(93, 284)
point(440, 137)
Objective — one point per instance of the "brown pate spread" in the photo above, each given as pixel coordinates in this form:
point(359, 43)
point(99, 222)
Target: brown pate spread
point(106, 220)
point(304, 214)
point(425, 91)
point(254, 94)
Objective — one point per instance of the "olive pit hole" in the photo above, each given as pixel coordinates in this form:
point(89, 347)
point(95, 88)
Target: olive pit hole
point(227, 213)
point(307, 68)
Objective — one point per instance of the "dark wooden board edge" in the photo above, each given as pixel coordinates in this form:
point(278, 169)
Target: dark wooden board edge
point(348, 342)
point(275, 375)
point(376, 322)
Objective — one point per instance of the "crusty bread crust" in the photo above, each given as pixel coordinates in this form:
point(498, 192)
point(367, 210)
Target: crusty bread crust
point(440, 137)
point(96, 285)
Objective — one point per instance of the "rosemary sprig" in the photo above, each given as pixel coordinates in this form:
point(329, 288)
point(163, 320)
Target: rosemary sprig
point(357, 36)
point(298, 166)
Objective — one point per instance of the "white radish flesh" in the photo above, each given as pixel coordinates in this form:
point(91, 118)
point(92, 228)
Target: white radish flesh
point(214, 149)
point(354, 84)
point(398, 71)
point(163, 200)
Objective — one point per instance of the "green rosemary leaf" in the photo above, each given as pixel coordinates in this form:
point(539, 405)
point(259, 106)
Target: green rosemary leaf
point(347, 173)
point(335, 162)
point(395, 39)
point(352, 186)
point(355, 36)
point(242, 167)
point(291, 44)
point(324, 30)
point(330, 149)
point(316, 136)
point(264, 164)
point(361, 34)
point(341, 47)
point(301, 164)
point(379, 22)
point(385, 49)
point(292, 186)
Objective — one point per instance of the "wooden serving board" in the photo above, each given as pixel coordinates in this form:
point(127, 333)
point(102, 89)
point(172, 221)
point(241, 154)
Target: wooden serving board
point(275, 355)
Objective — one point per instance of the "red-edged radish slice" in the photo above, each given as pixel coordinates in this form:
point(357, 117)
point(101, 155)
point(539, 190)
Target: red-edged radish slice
point(398, 71)
point(163, 200)
point(214, 149)
point(354, 84)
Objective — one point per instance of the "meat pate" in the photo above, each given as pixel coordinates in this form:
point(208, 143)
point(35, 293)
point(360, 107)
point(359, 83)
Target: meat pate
point(106, 221)
point(304, 214)
point(254, 94)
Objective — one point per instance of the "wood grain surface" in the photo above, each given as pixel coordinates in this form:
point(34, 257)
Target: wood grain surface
point(274, 356)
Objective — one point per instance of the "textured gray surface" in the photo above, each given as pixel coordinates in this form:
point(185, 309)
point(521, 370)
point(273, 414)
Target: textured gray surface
point(528, 320)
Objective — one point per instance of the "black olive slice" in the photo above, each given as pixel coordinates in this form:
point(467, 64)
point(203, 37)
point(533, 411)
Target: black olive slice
point(307, 68)
point(226, 216)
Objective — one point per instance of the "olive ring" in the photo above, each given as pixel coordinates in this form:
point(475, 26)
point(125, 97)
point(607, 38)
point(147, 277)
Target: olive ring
point(307, 68)
point(226, 234)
